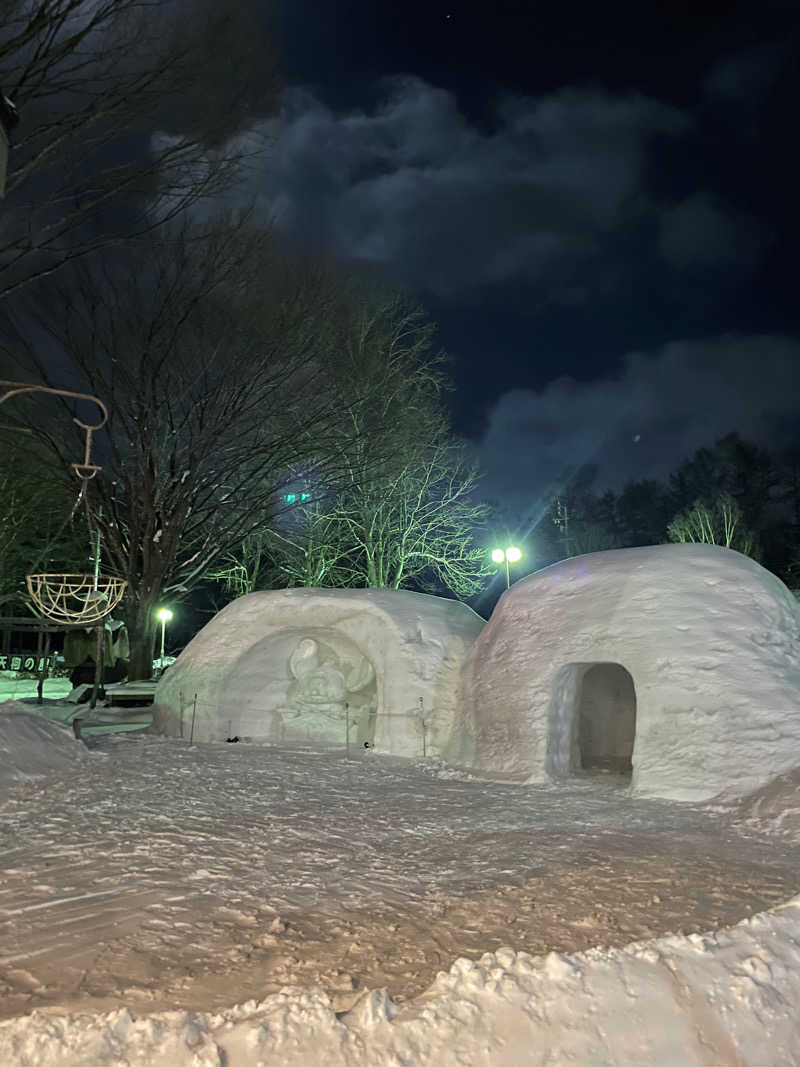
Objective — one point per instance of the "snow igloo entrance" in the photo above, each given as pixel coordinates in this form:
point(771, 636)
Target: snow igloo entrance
point(592, 721)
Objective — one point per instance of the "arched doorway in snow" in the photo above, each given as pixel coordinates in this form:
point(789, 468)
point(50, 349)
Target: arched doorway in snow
point(591, 721)
point(606, 720)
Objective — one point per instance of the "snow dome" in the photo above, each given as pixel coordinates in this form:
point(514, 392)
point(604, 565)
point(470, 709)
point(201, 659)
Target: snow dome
point(338, 666)
point(678, 665)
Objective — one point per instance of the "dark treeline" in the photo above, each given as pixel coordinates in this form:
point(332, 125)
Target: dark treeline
point(734, 493)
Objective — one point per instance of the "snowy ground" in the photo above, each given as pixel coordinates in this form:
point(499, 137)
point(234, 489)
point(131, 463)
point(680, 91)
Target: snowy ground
point(32, 746)
point(164, 876)
point(14, 688)
point(22, 694)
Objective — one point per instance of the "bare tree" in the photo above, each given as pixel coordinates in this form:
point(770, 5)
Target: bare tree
point(402, 510)
point(40, 527)
point(311, 549)
point(718, 524)
point(207, 352)
point(128, 113)
point(418, 527)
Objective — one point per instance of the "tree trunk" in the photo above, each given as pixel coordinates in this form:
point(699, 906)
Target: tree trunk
point(372, 573)
point(141, 622)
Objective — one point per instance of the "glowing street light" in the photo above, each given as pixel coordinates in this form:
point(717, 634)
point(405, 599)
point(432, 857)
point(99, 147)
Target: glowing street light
point(507, 555)
point(163, 615)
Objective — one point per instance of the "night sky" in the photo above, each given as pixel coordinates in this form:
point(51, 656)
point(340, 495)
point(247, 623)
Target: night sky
point(598, 205)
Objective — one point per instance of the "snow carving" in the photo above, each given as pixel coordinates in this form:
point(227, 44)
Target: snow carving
point(673, 668)
point(380, 667)
point(323, 688)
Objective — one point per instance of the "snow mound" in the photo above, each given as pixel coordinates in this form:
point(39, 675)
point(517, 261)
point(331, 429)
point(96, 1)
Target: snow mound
point(368, 667)
point(698, 1001)
point(681, 661)
point(775, 808)
point(32, 746)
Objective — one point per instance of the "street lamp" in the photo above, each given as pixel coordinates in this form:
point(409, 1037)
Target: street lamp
point(163, 615)
point(507, 555)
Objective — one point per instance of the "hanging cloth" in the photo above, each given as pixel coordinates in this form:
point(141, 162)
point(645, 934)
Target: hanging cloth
point(80, 645)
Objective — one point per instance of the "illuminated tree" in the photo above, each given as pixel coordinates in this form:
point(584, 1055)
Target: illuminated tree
point(719, 524)
point(421, 525)
point(399, 507)
point(309, 551)
point(418, 526)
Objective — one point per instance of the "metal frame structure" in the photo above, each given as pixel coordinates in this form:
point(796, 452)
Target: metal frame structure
point(74, 598)
point(18, 388)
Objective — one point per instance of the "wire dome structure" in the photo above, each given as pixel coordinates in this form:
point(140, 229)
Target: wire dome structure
point(72, 598)
point(75, 598)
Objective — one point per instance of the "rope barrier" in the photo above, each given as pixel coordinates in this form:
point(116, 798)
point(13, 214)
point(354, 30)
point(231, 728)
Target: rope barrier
point(347, 723)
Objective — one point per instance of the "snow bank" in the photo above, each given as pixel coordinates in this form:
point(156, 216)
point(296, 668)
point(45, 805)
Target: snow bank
point(31, 745)
point(775, 808)
point(710, 702)
point(12, 687)
point(696, 1001)
point(375, 666)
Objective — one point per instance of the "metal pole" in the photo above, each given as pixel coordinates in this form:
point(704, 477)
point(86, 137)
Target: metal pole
point(39, 666)
point(163, 630)
point(508, 576)
point(347, 731)
point(194, 709)
point(99, 656)
point(43, 668)
point(96, 547)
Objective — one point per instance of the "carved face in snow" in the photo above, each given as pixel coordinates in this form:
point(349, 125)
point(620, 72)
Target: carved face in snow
point(324, 687)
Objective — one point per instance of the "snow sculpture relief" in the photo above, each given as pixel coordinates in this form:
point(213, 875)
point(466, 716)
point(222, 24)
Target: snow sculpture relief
point(323, 688)
point(380, 667)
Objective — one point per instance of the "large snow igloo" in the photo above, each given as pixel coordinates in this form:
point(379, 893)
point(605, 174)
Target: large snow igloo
point(337, 666)
point(678, 665)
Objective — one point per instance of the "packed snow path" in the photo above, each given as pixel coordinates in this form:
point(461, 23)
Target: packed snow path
point(164, 875)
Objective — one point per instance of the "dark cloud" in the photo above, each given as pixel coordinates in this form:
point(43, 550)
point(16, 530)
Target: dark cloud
point(662, 407)
point(752, 91)
point(699, 232)
point(415, 187)
point(748, 75)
